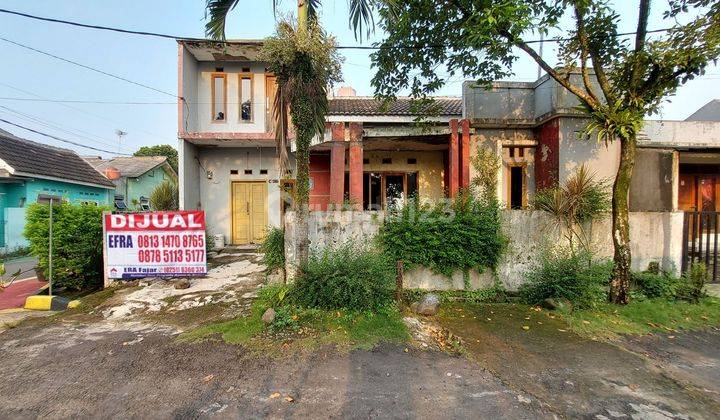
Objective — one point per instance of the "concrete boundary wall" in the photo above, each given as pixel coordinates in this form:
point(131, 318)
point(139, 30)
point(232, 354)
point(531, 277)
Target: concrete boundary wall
point(655, 237)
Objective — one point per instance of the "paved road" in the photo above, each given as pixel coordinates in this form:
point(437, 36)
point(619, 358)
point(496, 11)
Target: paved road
point(25, 264)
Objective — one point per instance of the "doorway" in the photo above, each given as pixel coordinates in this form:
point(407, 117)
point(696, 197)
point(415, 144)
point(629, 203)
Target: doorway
point(249, 212)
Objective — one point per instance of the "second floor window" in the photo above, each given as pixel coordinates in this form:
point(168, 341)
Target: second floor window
point(219, 97)
point(246, 97)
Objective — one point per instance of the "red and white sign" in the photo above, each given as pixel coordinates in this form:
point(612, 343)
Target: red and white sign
point(154, 244)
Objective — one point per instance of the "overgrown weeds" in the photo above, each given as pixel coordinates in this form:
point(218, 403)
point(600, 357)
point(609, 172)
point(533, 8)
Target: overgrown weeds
point(273, 249)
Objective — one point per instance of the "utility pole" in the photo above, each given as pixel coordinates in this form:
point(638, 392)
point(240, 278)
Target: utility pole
point(120, 135)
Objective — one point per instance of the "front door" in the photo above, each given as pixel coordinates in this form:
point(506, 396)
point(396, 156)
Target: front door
point(249, 212)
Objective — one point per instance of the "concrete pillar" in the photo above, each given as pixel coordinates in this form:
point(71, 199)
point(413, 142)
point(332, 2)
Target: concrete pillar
point(465, 155)
point(337, 164)
point(453, 160)
point(356, 165)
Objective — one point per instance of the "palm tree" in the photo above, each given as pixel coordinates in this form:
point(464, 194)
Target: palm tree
point(298, 83)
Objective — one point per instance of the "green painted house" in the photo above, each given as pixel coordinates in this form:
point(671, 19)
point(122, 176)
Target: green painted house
point(31, 172)
point(135, 177)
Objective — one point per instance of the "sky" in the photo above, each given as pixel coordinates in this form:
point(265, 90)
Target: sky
point(153, 62)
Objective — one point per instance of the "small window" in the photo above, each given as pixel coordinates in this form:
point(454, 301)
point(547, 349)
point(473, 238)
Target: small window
point(233, 171)
point(386, 161)
point(219, 69)
point(248, 171)
point(219, 97)
point(263, 171)
point(517, 183)
point(246, 98)
point(412, 161)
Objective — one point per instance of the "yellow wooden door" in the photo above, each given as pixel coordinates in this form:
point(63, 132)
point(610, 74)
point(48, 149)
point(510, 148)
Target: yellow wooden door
point(240, 213)
point(258, 211)
point(249, 212)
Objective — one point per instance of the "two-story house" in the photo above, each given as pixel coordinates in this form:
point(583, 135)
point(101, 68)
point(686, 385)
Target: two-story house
point(370, 156)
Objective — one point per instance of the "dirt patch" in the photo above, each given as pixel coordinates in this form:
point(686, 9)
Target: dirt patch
point(531, 350)
point(128, 372)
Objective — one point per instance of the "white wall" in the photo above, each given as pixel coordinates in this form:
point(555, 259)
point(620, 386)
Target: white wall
point(600, 159)
point(654, 237)
point(188, 176)
point(215, 193)
point(681, 133)
point(189, 119)
point(232, 123)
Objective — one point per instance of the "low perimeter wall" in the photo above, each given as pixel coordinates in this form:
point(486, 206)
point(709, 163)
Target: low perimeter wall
point(654, 236)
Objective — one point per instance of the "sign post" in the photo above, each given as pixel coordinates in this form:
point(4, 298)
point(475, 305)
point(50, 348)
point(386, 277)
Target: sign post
point(154, 244)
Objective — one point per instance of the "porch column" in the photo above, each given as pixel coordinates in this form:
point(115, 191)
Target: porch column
point(356, 166)
point(453, 159)
point(465, 155)
point(337, 165)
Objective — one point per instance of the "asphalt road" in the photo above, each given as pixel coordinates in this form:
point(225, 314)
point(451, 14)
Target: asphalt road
point(25, 264)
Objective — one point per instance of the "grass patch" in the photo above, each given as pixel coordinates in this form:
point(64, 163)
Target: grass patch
point(643, 317)
point(306, 329)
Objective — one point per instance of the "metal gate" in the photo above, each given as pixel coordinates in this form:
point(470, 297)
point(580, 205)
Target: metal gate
point(700, 241)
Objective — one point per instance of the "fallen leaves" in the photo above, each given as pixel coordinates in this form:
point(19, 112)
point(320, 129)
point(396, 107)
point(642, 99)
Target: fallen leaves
point(274, 395)
point(525, 327)
point(289, 399)
point(208, 378)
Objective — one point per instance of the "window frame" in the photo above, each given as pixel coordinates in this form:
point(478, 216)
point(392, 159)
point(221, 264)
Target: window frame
point(251, 76)
point(214, 76)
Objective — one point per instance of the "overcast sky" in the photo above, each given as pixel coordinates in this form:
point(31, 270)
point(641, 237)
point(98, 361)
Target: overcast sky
point(153, 62)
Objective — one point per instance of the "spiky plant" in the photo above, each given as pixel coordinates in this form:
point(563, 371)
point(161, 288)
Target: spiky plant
point(165, 196)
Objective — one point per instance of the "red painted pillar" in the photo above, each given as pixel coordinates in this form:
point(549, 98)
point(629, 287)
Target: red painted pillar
point(453, 159)
point(356, 165)
point(337, 164)
point(465, 155)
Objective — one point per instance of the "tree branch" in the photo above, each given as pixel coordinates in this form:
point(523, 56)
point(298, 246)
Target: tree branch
point(640, 39)
point(564, 81)
point(584, 49)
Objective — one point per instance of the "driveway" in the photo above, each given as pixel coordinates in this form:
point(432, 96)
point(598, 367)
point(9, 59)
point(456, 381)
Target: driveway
point(642, 377)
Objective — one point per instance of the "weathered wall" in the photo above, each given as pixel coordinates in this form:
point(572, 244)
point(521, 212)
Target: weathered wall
point(694, 134)
point(189, 174)
point(654, 180)
point(655, 237)
point(602, 160)
point(215, 192)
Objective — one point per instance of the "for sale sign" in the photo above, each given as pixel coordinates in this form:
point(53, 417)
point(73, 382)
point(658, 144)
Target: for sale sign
point(154, 244)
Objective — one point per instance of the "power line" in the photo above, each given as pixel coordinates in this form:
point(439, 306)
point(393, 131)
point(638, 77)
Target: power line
point(87, 67)
point(342, 47)
point(83, 101)
point(61, 139)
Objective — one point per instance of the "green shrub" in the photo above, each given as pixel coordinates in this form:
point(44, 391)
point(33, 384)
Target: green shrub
point(466, 235)
point(165, 196)
point(655, 285)
point(576, 278)
point(692, 283)
point(77, 243)
point(273, 248)
point(350, 277)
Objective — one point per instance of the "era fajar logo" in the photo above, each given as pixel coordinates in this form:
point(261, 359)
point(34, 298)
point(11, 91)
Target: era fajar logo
point(161, 220)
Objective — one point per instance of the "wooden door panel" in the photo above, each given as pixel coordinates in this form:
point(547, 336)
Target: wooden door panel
point(258, 211)
point(687, 193)
point(240, 214)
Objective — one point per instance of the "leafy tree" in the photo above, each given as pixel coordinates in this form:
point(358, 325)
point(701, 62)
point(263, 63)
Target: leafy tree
point(160, 150)
point(305, 62)
point(623, 79)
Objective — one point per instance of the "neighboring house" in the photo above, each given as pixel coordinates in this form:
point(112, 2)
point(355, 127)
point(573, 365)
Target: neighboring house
point(708, 112)
point(372, 156)
point(32, 172)
point(134, 177)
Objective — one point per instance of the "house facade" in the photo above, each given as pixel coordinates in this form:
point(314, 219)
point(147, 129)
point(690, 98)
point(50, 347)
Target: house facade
point(32, 172)
point(372, 157)
point(135, 177)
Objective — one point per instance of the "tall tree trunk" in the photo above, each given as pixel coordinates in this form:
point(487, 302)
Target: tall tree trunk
point(302, 197)
point(621, 223)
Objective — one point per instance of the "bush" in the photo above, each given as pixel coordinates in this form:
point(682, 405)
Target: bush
point(655, 285)
point(77, 243)
point(465, 236)
point(273, 248)
point(350, 277)
point(692, 283)
point(165, 196)
point(576, 278)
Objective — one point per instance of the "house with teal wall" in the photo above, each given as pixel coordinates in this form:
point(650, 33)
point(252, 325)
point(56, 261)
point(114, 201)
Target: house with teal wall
point(135, 177)
point(31, 172)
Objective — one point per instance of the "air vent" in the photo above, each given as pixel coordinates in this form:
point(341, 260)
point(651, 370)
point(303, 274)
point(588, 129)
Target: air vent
point(233, 172)
point(219, 69)
point(263, 171)
point(248, 171)
point(366, 161)
point(412, 161)
point(386, 161)
point(246, 69)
